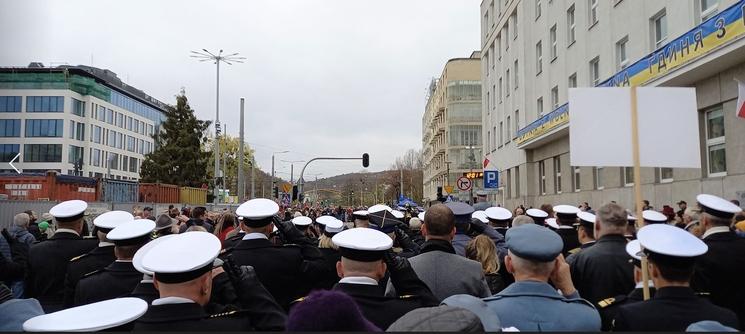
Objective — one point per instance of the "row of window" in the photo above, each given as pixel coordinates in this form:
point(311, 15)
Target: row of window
point(118, 119)
point(53, 153)
point(119, 140)
point(115, 161)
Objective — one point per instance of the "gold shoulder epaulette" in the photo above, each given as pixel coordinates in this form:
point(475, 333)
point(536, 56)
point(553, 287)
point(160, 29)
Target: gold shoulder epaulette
point(92, 272)
point(574, 251)
point(224, 314)
point(406, 296)
point(297, 300)
point(78, 257)
point(703, 294)
point(606, 302)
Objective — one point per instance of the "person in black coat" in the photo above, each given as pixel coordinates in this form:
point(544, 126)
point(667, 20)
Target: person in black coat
point(721, 271)
point(605, 269)
point(365, 257)
point(197, 219)
point(13, 269)
point(672, 254)
point(48, 260)
point(120, 277)
point(331, 256)
point(288, 271)
point(566, 218)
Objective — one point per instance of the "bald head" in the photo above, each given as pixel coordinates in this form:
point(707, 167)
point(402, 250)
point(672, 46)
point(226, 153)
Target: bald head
point(439, 220)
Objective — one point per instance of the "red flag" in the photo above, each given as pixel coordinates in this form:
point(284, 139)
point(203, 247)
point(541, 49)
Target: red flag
point(740, 99)
point(486, 162)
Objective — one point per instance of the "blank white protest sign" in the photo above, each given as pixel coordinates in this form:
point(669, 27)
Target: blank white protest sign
point(600, 127)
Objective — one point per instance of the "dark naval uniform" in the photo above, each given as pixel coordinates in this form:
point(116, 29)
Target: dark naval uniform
point(288, 272)
point(189, 317)
point(573, 252)
point(48, 262)
point(379, 309)
point(671, 309)
point(609, 307)
point(146, 291)
point(231, 242)
point(330, 277)
point(118, 279)
point(79, 266)
point(569, 236)
point(603, 270)
point(721, 272)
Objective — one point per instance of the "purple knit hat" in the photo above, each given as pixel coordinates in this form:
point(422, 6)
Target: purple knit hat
point(328, 311)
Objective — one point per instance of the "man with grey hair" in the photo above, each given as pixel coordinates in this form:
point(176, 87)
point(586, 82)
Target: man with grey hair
point(605, 269)
point(521, 220)
point(19, 230)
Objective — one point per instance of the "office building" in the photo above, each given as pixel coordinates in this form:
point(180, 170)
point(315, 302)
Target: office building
point(533, 51)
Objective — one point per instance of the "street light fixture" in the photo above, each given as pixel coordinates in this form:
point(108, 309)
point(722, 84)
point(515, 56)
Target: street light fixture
point(218, 58)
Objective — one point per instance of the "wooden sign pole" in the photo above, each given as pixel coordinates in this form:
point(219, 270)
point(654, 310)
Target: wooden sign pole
point(638, 183)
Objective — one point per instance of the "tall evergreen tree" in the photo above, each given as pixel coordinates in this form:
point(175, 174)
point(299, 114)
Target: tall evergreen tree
point(179, 157)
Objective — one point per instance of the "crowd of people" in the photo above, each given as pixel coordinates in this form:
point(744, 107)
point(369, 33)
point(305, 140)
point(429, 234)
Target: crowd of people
point(453, 267)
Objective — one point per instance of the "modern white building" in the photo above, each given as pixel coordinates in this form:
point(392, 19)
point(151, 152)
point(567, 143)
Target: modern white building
point(534, 50)
point(57, 117)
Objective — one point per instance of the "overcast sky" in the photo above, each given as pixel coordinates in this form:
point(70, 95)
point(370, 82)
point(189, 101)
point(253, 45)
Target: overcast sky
point(322, 78)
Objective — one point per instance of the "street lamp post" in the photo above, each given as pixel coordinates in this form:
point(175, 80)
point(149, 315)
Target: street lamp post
point(273, 180)
point(203, 56)
point(292, 169)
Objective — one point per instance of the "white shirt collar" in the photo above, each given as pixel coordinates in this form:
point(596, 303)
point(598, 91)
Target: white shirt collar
point(251, 236)
point(358, 280)
point(566, 227)
point(104, 243)
point(130, 261)
point(641, 284)
point(714, 230)
point(172, 300)
point(67, 230)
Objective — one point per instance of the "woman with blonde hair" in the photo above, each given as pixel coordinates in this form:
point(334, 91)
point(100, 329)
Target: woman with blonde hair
point(330, 253)
point(483, 250)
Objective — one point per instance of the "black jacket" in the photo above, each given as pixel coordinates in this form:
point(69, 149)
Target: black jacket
point(569, 238)
point(195, 221)
point(672, 309)
point(48, 262)
point(118, 279)
point(721, 272)
point(145, 291)
point(609, 307)
point(288, 272)
point(330, 277)
point(376, 307)
point(603, 270)
point(189, 317)
point(79, 266)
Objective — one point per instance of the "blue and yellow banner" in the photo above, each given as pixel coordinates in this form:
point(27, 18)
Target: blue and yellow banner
point(722, 28)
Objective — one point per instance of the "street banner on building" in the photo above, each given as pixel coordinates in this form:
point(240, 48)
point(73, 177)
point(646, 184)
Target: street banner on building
point(491, 179)
point(740, 99)
point(600, 133)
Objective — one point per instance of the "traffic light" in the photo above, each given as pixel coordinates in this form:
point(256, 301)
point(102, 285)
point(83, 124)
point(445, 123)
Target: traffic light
point(439, 194)
point(300, 198)
point(275, 192)
point(294, 193)
point(365, 160)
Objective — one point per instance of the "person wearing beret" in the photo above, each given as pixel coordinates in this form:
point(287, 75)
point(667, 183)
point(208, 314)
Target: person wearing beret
point(288, 271)
point(605, 269)
point(48, 260)
point(120, 277)
point(99, 257)
point(672, 254)
point(365, 258)
point(721, 271)
point(531, 303)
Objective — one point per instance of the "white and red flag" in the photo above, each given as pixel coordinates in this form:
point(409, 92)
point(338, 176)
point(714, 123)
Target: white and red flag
point(740, 99)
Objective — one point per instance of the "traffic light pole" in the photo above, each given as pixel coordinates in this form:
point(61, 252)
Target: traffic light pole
point(300, 181)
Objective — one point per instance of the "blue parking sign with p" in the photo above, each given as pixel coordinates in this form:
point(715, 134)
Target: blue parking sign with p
point(491, 179)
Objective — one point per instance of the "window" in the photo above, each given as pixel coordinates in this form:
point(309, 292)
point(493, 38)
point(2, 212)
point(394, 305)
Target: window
point(715, 149)
point(133, 164)
point(552, 39)
point(78, 107)
point(44, 128)
point(129, 123)
point(665, 175)
point(542, 177)
point(120, 137)
point(628, 176)
point(537, 9)
point(517, 181)
point(488, 101)
point(498, 43)
point(538, 58)
point(501, 133)
point(486, 23)
point(113, 160)
point(125, 163)
point(513, 18)
point(120, 120)
point(131, 143)
point(95, 157)
point(42, 153)
point(508, 184)
point(10, 104)
point(10, 128)
point(77, 130)
point(622, 60)
point(557, 174)
point(142, 127)
point(598, 174)
point(659, 29)
point(517, 74)
point(96, 134)
point(554, 97)
point(9, 151)
point(75, 154)
point(507, 36)
point(595, 71)
point(570, 26)
point(572, 83)
point(517, 123)
point(45, 103)
point(150, 131)
point(539, 106)
point(488, 59)
point(709, 8)
point(112, 138)
point(494, 140)
point(488, 143)
point(507, 83)
point(576, 185)
point(500, 90)
point(508, 134)
point(141, 147)
point(109, 116)
point(593, 12)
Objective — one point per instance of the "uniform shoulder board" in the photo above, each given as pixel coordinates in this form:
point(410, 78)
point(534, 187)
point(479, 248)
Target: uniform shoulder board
point(574, 251)
point(703, 294)
point(227, 314)
point(78, 257)
point(92, 273)
point(611, 301)
point(407, 296)
point(298, 300)
point(291, 245)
